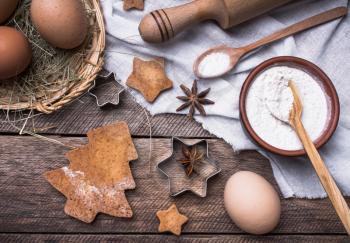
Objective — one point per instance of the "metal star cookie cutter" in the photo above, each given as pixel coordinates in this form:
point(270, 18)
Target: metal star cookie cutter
point(106, 92)
point(179, 182)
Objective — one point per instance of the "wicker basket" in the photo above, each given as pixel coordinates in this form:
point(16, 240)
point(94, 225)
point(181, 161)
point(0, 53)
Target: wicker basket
point(87, 69)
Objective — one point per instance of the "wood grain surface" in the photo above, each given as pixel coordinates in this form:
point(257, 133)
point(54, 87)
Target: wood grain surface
point(171, 238)
point(29, 204)
point(83, 114)
point(32, 211)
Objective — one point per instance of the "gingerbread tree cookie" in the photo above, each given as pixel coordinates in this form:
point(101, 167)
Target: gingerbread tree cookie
point(98, 174)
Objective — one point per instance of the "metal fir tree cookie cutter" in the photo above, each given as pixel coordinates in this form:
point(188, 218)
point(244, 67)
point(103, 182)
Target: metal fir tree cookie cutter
point(105, 90)
point(178, 180)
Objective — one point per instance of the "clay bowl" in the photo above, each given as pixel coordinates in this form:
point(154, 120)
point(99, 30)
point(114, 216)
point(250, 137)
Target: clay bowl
point(313, 70)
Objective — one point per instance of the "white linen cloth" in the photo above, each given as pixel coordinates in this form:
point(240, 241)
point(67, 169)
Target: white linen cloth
point(328, 46)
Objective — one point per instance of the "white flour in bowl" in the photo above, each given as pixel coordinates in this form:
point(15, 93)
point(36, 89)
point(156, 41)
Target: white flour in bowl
point(269, 101)
point(278, 98)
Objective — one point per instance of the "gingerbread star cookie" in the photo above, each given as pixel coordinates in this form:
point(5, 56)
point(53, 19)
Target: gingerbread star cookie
point(171, 220)
point(149, 78)
point(129, 4)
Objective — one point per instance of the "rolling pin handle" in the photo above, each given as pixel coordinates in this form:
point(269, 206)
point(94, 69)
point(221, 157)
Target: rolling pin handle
point(163, 24)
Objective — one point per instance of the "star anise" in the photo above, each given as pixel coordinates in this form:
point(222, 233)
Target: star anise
point(194, 100)
point(191, 158)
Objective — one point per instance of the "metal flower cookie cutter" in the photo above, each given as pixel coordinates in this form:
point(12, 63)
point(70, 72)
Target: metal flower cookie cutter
point(179, 181)
point(105, 90)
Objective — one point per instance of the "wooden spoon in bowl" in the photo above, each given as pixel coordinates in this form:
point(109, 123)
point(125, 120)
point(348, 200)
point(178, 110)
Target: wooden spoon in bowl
point(234, 54)
point(325, 177)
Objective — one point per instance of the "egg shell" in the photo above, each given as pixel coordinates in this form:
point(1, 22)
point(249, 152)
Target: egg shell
point(62, 23)
point(252, 202)
point(7, 7)
point(15, 52)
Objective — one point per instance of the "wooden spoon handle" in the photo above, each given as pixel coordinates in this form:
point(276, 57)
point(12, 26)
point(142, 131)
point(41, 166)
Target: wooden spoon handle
point(325, 177)
point(300, 26)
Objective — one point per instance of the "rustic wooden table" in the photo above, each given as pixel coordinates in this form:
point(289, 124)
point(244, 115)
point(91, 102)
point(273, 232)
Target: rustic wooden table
point(32, 210)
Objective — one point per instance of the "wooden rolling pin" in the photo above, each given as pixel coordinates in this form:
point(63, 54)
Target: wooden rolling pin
point(162, 25)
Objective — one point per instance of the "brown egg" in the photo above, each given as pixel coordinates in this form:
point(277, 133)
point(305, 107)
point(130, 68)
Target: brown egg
point(252, 202)
point(15, 52)
point(7, 7)
point(62, 23)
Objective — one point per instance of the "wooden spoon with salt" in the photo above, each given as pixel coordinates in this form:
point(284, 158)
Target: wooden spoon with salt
point(235, 54)
point(325, 177)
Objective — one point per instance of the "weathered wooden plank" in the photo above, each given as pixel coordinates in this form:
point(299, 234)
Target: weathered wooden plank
point(172, 239)
point(83, 114)
point(29, 204)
